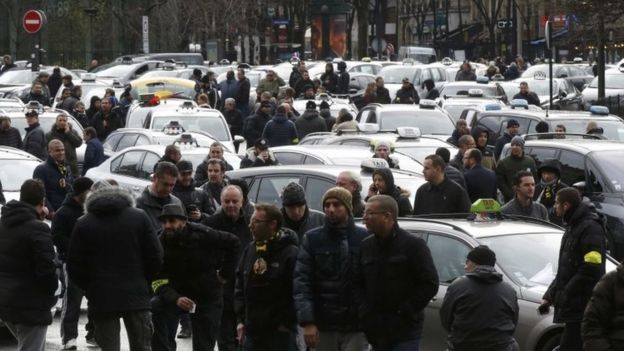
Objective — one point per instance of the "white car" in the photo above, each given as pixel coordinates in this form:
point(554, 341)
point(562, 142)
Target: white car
point(126, 137)
point(16, 166)
point(132, 167)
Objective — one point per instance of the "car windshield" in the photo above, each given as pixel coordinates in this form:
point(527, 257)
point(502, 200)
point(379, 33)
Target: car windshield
point(430, 122)
point(612, 168)
point(541, 87)
point(612, 81)
point(13, 173)
point(419, 153)
point(488, 90)
point(543, 69)
point(613, 130)
point(18, 77)
point(212, 125)
point(164, 88)
point(456, 110)
point(161, 73)
point(115, 71)
point(528, 259)
point(395, 75)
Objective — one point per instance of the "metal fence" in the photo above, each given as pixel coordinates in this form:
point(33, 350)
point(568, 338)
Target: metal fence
point(615, 103)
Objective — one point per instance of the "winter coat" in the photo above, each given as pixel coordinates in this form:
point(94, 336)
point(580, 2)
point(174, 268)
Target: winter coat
point(463, 75)
point(234, 120)
point(395, 280)
point(506, 171)
point(295, 76)
point(51, 173)
point(383, 95)
point(330, 81)
point(328, 118)
point(63, 224)
point(480, 183)
point(272, 86)
point(280, 131)
point(263, 298)
point(323, 281)
point(54, 83)
point(113, 122)
point(94, 155)
point(455, 175)
point(11, 137)
point(400, 195)
point(432, 94)
point(214, 192)
point(545, 192)
point(242, 97)
point(534, 210)
point(71, 140)
point(480, 312)
point(347, 125)
point(458, 162)
point(487, 155)
point(201, 172)
point(153, 205)
point(69, 103)
point(27, 274)
point(40, 98)
point(82, 118)
point(229, 89)
point(253, 126)
point(35, 142)
point(301, 86)
point(500, 144)
point(311, 219)
point(310, 122)
point(407, 96)
point(603, 320)
point(114, 254)
point(191, 196)
point(531, 98)
point(343, 83)
point(252, 160)
point(581, 263)
point(239, 227)
point(447, 197)
point(195, 261)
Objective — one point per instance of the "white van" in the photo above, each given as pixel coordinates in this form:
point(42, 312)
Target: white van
point(418, 53)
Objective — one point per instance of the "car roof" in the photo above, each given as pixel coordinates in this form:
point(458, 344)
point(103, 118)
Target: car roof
point(7, 152)
point(194, 112)
point(547, 115)
point(392, 137)
point(402, 107)
point(332, 170)
point(583, 146)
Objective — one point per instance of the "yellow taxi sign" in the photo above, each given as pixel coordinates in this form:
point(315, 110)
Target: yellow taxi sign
point(485, 205)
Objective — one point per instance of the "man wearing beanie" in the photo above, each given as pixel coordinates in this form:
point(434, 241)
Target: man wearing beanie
point(513, 128)
point(325, 297)
point(62, 226)
point(480, 311)
point(382, 150)
point(310, 121)
point(508, 167)
point(394, 294)
point(198, 204)
point(297, 215)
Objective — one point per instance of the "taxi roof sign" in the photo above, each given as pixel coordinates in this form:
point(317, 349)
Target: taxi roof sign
point(485, 205)
point(372, 164)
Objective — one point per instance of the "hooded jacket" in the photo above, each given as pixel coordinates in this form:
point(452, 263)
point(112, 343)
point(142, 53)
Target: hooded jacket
point(487, 155)
point(401, 196)
point(480, 312)
point(507, 169)
point(263, 297)
point(252, 160)
point(330, 120)
point(280, 131)
point(581, 263)
point(71, 140)
point(114, 253)
point(603, 321)
point(52, 175)
point(310, 122)
point(253, 126)
point(27, 274)
point(545, 192)
point(310, 220)
point(35, 142)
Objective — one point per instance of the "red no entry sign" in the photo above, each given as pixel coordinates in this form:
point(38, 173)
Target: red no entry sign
point(33, 21)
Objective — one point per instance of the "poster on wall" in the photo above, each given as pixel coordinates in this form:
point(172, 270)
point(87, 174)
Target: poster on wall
point(337, 37)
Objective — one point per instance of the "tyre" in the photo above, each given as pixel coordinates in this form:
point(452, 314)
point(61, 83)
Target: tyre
point(551, 343)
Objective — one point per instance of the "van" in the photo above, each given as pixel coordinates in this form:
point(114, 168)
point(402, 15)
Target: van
point(418, 53)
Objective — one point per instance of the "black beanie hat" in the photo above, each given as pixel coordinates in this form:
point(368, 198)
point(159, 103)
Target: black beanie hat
point(483, 256)
point(293, 195)
point(81, 185)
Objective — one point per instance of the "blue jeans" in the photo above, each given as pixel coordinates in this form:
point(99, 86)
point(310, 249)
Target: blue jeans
point(277, 341)
point(205, 323)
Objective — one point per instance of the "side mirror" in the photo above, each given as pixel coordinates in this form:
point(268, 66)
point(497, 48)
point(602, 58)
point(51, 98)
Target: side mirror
point(237, 141)
point(563, 94)
point(580, 186)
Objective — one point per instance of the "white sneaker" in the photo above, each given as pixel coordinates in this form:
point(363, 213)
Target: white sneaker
point(70, 345)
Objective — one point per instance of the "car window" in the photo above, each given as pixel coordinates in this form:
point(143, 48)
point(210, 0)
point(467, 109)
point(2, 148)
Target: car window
point(288, 158)
point(449, 256)
point(147, 167)
point(129, 164)
point(127, 141)
point(142, 140)
point(353, 142)
point(492, 125)
point(111, 142)
point(363, 115)
point(576, 71)
point(310, 160)
point(426, 74)
point(540, 154)
point(435, 75)
point(372, 117)
point(271, 188)
point(572, 167)
point(596, 182)
point(370, 69)
point(315, 189)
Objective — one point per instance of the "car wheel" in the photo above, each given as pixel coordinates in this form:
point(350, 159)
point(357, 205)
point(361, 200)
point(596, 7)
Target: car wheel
point(550, 343)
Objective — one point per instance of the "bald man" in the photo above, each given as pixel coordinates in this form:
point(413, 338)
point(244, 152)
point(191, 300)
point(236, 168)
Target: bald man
point(56, 175)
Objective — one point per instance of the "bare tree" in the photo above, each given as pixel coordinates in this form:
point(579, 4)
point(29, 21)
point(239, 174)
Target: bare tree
point(490, 11)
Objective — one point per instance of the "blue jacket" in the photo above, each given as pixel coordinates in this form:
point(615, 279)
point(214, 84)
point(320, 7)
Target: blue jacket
point(324, 290)
point(51, 174)
point(94, 155)
point(280, 131)
point(229, 89)
point(480, 183)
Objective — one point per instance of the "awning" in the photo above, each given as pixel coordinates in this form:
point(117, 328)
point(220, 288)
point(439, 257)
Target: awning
point(555, 35)
point(472, 30)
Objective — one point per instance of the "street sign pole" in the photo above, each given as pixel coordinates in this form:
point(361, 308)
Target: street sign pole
point(145, 35)
point(548, 38)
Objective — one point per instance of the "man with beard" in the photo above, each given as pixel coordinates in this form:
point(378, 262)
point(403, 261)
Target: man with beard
point(107, 120)
point(263, 297)
point(216, 180)
point(197, 203)
point(159, 193)
point(216, 152)
point(296, 213)
point(353, 183)
point(198, 260)
point(549, 175)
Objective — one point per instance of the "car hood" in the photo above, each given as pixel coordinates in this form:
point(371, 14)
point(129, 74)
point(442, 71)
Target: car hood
point(591, 94)
point(533, 293)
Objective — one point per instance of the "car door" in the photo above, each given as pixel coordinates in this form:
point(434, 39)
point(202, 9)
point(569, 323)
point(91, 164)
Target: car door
point(449, 256)
point(315, 188)
point(288, 158)
point(125, 170)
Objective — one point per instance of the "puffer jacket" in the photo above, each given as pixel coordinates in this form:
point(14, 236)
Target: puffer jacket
point(323, 288)
point(11, 137)
point(581, 263)
point(263, 299)
point(603, 321)
point(311, 219)
point(27, 270)
point(310, 122)
point(480, 312)
point(114, 253)
point(195, 260)
point(35, 142)
point(71, 140)
point(280, 131)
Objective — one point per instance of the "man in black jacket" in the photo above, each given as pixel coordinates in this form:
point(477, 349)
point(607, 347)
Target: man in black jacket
point(264, 304)
point(56, 175)
point(27, 273)
point(242, 98)
point(480, 311)
point(201, 172)
point(343, 78)
point(159, 193)
point(107, 120)
point(439, 194)
point(396, 278)
point(253, 126)
point(581, 264)
point(62, 226)
point(199, 204)
point(513, 127)
point(113, 255)
point(325, 297)
point(216, 180)
point(407, 94)
point(480, 181)
point(198, 261)
point(296, 213)
point(35, 141)
point(9, 136)
point(527, 95)
point(451, 172)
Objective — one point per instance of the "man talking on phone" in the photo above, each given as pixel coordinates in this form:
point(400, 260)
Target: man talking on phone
point(198, 261)
point(258, 156)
